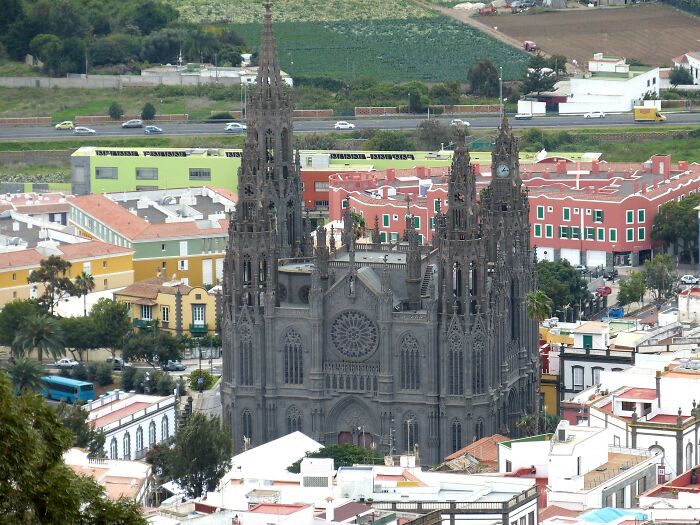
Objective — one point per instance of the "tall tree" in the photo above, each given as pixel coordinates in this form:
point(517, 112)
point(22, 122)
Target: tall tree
point(483, 78)
point(680, 76)
point(660, 277)
point(53, 274)
point(200, 456)
point(535, 424)
point(80, 335)
point(112, 322)
point(432, 134)
point(40, 333)
point(74, 418)
point(25, 374)
point(539, 76)
point(676, 225)
point(562, 283)
point(37, 486)
point(632, 289)
point(538, 305)
point(83, 285)
point(153, 346)
point(13, 316)
point(343, 455)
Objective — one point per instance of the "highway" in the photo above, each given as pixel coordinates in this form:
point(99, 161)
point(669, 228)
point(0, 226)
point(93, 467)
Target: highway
point(476, 122)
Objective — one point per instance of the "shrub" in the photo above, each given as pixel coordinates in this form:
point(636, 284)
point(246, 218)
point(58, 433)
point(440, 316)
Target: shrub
point(205, 375)
point(64, 372)
point(128, 374)
point(79, 372)
point(165, 384)
point(103, 374)
point(91, 371)
point(148, 112)
point(224, 115)
point(115, 111)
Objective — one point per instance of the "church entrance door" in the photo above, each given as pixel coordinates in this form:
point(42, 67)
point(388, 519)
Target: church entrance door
point(345, 438)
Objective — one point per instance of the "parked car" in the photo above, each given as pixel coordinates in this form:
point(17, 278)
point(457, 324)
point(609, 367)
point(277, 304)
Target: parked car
point(117, 362)
point(133, 123)
point(152, 129)
point(236, 127)
point(82, 130)
point(66, 363)
point(582, 268)
point(344, 124)
point(459, 122)
point(610, 274)
point(594, 114)
point(602, 291)
point(689, 279)
point(523, 116)
point(66, 124)
point(173, 366)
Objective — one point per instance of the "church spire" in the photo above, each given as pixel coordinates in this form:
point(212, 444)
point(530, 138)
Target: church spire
point(461, 213)
point(269, 76)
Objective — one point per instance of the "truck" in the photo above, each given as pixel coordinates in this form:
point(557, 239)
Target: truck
point(648, 114)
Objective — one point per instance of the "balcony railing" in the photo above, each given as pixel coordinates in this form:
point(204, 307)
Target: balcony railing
point(143, 323)
point(199, 329)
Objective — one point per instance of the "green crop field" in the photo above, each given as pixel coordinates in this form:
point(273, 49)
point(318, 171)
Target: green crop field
point(247, 11)
point(431, 49)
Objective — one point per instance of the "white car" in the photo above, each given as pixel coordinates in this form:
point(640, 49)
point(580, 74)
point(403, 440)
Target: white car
point(523, 116)
point(82, 130)
point(459, 122)
point(689, 279)
point(66, 363)
point(236, 127)
point(344, 124)
point(594, 114)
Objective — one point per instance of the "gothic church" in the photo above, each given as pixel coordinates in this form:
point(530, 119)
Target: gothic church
point(391, 346)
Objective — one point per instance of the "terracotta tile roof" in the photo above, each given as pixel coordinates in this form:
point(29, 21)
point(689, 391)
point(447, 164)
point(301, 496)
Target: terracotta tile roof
point(485, 449)
point(276, 508)
point(86, 250)
point(553, 510)
point(119, 413)
point(55, 207)
point(645, 394)
point(150, 288)
point(20, 259)
point(133, 227)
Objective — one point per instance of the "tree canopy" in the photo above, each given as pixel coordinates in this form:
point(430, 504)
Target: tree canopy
point(483, 78)
point(53, 274)
point(660, 277)
point(199, 456)
point(632, 288)
point(41, 333)
point(676, 225)
point(13, 316)
point(562, 283)
point(680, 76)
point(539, 76)
point(343, 455)
point(112, 322)
point(38, 487)
point(153, 347)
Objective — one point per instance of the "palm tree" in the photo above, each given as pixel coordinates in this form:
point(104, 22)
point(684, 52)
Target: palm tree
point(25, 374)
point(42, 333)
point(538, 305)
point(84, 284)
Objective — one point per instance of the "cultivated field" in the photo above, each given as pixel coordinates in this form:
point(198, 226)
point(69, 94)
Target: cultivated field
point(652, 34)
point(247, 11)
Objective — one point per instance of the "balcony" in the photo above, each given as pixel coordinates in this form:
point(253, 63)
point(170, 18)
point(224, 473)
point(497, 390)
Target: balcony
point(143, 323)
point(199, 329)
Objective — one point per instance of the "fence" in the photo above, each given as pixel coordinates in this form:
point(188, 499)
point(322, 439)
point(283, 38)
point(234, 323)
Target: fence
point(104, 119)
point(361, 111)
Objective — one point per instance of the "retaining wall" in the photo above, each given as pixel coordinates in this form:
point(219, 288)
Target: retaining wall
point(11, 157)
point(114, 81)
point(25, 121)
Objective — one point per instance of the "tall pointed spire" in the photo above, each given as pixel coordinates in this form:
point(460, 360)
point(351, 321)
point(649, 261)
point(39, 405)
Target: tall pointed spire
point(461, 189)
point(269, 74)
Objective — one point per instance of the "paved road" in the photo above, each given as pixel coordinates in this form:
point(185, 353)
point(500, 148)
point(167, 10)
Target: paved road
point(478, 122)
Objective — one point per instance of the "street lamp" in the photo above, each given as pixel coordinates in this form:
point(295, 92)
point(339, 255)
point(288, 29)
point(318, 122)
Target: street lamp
point(613, 263)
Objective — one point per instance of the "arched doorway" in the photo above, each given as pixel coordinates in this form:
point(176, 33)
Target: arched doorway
point(512, 413)
point(345, 438)
point(351, 421)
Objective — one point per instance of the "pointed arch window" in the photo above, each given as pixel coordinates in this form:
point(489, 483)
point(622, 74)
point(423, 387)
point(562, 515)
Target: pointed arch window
point(247, 424)
point(139, 439)
point(152, 434)
point(479, 429)
point(455, 363)
point(293, 420)
point(293, 358)
point(113, 448)
point(246, 355)
point(456, 435)
point(409, 363)
point(478, 365)
point(164, 429)
point(127, 445)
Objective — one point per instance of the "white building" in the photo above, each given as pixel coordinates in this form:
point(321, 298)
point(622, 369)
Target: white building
point(132, 423)
point(689, 305)
point(610, 85)
point(582, 470)
point(677, 500)
point(239, 75)
point(691, 62)
point(119, 478)
point(652, 405)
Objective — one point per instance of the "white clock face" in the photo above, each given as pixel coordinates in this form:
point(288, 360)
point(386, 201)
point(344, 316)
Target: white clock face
point(502, 170)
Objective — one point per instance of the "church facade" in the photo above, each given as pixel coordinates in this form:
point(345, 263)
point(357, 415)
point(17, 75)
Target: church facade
point(391, 346)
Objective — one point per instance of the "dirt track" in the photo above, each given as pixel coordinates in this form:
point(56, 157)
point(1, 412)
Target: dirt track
point(652, 33)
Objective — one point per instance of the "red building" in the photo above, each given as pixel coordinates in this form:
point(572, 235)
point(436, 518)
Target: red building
point(585, 212)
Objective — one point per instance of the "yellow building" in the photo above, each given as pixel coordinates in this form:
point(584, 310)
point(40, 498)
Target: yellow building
point(110, 266)
point(549, 393)
point(172, 305)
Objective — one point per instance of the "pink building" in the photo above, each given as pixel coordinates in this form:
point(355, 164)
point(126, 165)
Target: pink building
point(585, 212)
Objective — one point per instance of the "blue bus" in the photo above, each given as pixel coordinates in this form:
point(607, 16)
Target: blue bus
point(60, 388)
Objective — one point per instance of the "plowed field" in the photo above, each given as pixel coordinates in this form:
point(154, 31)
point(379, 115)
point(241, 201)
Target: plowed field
point(653, 34)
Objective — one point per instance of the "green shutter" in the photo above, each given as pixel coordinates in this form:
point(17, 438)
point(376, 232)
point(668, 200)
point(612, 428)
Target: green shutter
point(382, 236)
point(613, 234)
point(630, 216)
point(630, 234)
point(540, 212)
point(601, 234)
point(436, 205)
point(567, 214)
point(385, 220)
point(640, 216)
point(641, 234)
point(538, 230)
point(548, 230)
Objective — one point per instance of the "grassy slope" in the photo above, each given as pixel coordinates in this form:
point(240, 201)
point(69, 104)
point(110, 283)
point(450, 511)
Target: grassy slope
point(65, 104)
